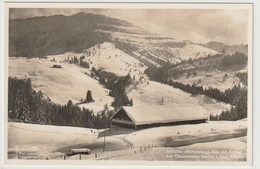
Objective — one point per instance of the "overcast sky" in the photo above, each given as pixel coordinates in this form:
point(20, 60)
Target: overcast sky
point(201, 26)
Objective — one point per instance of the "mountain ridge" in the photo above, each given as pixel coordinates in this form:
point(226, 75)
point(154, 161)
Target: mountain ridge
point(58, 34)
point(219, 47)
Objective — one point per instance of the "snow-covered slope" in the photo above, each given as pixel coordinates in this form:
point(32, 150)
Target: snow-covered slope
point(112, 59)
point(192, 51)
point(155, 49)
point(154, 95)
point(145, 93)
point(212, 79)
point(107, 57)
point(60, 84)
point(53, 141)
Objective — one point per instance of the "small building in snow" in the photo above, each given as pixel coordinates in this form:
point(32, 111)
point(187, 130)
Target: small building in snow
point(143, 117)
point(56, 66)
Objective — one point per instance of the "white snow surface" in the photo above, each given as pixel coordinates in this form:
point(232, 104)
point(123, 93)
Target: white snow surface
point(54, 141)
point(60, 84)
point(236, 145)
point(211, 79)
point(193, 51)
point(111, 59)
point(166, 99)
point(107, 57)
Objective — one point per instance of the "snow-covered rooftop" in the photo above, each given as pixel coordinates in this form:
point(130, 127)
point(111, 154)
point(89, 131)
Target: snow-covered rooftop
point(161, 114)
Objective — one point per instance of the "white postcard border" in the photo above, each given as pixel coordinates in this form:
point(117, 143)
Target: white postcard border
point(172, 164)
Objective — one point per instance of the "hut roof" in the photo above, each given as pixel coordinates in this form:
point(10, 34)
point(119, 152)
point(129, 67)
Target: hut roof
point(161, 114)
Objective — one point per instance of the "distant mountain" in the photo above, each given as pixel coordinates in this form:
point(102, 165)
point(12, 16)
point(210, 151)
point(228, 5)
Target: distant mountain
point(57, 34)
point(42, 36)
point(218, 46)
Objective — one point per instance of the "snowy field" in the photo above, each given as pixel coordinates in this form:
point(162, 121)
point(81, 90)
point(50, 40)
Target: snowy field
point(192, 51)
point(215, 80)
point(111, 59)
point(60, 84)
point(107, 57)
point(150, 96)
point(233, 149)
point(53, 142)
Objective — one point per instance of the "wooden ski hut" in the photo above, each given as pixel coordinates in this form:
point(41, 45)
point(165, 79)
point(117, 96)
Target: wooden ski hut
point(56, 66)
point(136, 118)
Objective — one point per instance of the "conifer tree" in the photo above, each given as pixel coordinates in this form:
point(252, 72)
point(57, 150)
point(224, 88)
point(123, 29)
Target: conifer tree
point(89, 96)
point(131, 102)
point(69, 104)
point(106, 110)
point(40, 117)
point(21, 109)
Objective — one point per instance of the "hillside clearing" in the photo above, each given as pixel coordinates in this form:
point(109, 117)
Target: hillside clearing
point(60, 85)
point(211, 79)
point(163, 97)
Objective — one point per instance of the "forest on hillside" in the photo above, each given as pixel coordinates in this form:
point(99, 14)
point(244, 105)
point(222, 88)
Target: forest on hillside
point(116, 85)
point(42, 36)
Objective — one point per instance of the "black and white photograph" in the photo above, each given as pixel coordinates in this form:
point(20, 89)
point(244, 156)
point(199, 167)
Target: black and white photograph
point(128, 82)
